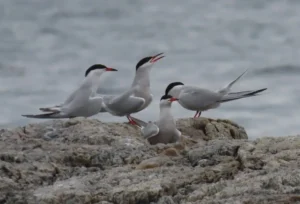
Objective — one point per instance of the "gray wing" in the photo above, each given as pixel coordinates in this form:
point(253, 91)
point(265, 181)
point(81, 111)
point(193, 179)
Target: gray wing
point(95, 104)
point(52, 115)
point(52, 109)
point(120, 98)
point(148, 129)
point(124, 103)
point(195, 98)
point(106, 99)
point(60, 106)
point(71, 97)
point(128, 106)
point(77, 100)
point(79, 91)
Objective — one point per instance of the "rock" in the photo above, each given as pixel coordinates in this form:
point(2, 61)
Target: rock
point(172, 152)
point(166, 200)
point(87, 161)
point(155, 162)
point(213, 152)
point(71, 190)
point(207, 129)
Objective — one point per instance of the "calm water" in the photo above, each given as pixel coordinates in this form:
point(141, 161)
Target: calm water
point(46, 46)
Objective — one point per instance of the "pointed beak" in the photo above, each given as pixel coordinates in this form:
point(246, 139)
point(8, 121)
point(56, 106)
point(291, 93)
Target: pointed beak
point(157, 57)
point(173, 99)
point(110, 69)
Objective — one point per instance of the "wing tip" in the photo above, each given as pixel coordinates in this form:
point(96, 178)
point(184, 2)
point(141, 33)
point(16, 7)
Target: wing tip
point(258, 91)
point(30, 116)
point(41, 116)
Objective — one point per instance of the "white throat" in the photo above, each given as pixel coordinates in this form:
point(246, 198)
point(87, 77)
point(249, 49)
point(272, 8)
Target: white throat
point(142, 77)
point(165, 111)
point(92, 81)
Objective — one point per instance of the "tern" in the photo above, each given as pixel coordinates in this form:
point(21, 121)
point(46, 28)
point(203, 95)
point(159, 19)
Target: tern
point(199, 99)
point(164, 130)
point(83, 102)
point(138, 97)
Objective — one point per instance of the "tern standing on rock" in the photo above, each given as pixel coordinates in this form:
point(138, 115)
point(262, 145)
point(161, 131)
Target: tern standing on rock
point(164, 130)
point(139, 96)
point(198, 99)
point(82, 102)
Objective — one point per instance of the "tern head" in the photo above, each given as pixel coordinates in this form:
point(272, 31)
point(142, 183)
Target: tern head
point(148, 62)
point(98, 69)
point(174, 88)
point(167, 100)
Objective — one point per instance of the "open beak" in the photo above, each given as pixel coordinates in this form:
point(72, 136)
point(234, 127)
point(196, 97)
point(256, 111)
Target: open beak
point(110, 69)
point(173, 99)
point(157, 57)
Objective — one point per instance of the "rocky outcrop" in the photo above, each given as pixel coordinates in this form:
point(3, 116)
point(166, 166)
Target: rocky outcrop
point(87, 161)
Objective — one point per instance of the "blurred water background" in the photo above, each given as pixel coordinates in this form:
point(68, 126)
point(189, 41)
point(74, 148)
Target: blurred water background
point(46, 46)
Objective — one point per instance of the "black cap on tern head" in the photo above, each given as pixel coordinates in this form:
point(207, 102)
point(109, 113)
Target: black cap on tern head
point(99, 66)
point(165, 97)
point(171, 85)
point(142, 61)
point(150, 59)
point(93, 67)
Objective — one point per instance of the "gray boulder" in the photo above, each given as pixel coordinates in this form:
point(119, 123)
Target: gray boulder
point(87, 161)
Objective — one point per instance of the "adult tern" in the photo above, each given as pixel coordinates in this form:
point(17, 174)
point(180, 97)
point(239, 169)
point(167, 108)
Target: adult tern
point(164, 130)
point(199, 99)
point(138, 97)
point(82, 101)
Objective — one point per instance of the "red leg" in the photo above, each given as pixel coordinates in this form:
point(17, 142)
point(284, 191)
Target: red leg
point(199, 113)
point(195, 116)
point(132, 122)
point(129, 119)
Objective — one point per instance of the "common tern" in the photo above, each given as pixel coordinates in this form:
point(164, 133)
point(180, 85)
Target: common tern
point(82, 102)
point(199, 99)
point(138, 97)
point(164, 130)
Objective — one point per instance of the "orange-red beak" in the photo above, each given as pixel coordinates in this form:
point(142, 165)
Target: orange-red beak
point(173, 99)
point(157, 57)
point(110, 69)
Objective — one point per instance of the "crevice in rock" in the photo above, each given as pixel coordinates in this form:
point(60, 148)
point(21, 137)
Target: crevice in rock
point(238, 159)
point(204, 130)
point(24, 130)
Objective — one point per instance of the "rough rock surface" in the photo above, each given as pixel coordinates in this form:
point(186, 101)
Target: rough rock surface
point(86, 161)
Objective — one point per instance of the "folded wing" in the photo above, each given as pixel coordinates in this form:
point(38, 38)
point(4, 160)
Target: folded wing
point(123, 104)
point(148, 129)
point(195, 98)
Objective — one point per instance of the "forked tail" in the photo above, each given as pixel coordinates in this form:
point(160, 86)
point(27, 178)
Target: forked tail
point(242, 94)
point(227, 88)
